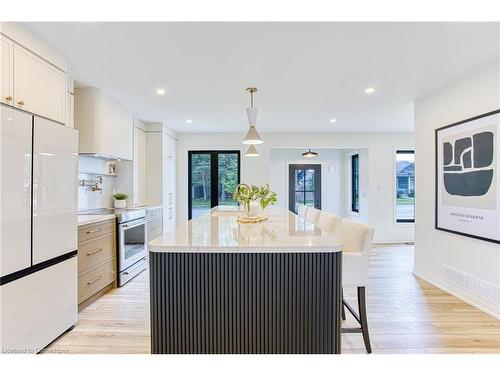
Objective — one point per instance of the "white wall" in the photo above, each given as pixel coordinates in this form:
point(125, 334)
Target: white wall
point(332, 175)
point(473, 95)
point(379, 162)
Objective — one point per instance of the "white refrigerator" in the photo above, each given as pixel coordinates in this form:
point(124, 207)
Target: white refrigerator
point(38, 230)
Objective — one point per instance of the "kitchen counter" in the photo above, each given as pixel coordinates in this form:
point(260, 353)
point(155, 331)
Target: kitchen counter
point(219, 231)
point(152, 207)
point(218, 286)
point(149, 207)
point(91, 219)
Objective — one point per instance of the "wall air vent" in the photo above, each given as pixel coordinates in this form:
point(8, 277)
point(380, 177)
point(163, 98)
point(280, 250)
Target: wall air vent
point(472, 284)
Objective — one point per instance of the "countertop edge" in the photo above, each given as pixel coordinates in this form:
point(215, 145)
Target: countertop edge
point(243, 249)
point(96, 219)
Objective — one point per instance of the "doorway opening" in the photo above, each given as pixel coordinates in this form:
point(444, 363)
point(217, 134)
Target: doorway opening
point(304, 186)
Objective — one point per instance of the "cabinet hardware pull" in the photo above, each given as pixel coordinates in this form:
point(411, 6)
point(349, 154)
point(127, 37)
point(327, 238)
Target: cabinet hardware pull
point(20, 103)
point(94, 252)
point(94, 230)
point(96, 279)
point(8, 98)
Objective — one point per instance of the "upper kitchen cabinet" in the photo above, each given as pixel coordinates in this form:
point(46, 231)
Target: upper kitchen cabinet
point(6, 85)
point(105, 125)
point(39, 87)
point(33, 73)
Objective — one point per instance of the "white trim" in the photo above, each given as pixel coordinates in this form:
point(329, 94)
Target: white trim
point(449, 288)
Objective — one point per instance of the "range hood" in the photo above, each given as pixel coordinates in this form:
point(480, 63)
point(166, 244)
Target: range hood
point(99, 156)
point(105, 125)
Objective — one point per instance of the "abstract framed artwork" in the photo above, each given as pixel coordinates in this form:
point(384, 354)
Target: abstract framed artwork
point(467, 178)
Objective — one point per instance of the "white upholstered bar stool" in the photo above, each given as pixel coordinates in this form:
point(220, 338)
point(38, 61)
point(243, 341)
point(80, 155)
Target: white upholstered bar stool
point(329, 222)
point(356, 241)
point(302, 211)
point(312, 215)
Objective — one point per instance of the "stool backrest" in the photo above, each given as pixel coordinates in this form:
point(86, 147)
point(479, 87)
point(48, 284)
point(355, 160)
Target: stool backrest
point(329, 222)
point(312, 215)
point(355, 236)
point(302, 211)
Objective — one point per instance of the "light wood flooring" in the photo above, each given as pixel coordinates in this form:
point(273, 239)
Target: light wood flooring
point(405, 314)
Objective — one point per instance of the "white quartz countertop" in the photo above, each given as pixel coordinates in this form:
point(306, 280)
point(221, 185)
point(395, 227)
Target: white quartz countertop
point(91, 219)
point(220, 232)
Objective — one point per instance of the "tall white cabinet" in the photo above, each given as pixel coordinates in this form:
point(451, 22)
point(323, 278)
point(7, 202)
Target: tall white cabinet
point(169, 182)
point(150, 178)
point(139, 165)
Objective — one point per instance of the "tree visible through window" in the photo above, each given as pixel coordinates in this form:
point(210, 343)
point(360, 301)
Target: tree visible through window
point(213, 176)
point(405, 186)
point(355, 183)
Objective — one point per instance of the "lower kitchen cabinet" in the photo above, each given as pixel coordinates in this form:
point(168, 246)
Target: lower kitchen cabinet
point(96, 261)
point(154, 223)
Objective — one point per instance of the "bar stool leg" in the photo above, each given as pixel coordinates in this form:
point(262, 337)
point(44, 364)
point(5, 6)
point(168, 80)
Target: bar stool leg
point(343, 307)
point(363, 318)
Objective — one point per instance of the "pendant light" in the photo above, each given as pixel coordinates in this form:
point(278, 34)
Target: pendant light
point(252, 151)
point(310, 154)
point(252, 137)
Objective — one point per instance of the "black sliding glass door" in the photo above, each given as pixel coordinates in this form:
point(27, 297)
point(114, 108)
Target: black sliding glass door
point(213, 175)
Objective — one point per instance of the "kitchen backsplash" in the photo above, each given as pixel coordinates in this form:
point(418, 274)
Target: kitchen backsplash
point(91, 170)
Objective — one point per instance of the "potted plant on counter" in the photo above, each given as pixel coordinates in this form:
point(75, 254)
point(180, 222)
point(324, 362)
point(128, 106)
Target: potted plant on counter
point(248, 196)
point(120, 200)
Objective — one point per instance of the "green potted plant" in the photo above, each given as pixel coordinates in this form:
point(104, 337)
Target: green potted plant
point(120, 200)
point(254, 199)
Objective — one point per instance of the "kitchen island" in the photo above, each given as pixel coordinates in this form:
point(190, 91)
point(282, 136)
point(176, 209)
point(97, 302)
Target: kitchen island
point(218, 286)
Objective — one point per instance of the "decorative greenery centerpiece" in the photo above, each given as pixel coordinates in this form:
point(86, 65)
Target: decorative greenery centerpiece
point(120, 200)
point(248, 195)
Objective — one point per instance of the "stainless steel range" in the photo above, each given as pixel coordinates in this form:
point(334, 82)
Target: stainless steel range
point(132, 245)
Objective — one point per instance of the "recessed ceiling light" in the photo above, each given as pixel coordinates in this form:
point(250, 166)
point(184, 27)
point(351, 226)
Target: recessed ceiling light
point(332, 120)
point(370, 90)
point(189, 121)
point(160, 91)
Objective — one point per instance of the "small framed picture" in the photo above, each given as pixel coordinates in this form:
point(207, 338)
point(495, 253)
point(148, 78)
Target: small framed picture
point(467, 178)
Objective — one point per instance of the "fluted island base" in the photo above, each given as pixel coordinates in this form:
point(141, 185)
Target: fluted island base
point(222, 303)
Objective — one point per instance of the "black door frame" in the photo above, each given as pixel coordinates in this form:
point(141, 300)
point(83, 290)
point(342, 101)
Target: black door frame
point(291, 184)
point(214, 174)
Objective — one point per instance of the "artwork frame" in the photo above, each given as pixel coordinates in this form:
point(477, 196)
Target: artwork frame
point(467, 180)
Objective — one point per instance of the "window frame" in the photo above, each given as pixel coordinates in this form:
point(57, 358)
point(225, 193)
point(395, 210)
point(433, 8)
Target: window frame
point(318, 191)
point(214, 174)
point(401, 150)
point(354, 175)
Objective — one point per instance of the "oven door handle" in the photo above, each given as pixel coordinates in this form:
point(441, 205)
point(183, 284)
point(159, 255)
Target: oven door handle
point(133, 225)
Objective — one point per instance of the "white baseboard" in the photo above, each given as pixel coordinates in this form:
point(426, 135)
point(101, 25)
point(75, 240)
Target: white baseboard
point(462, 294)
point(390, 242)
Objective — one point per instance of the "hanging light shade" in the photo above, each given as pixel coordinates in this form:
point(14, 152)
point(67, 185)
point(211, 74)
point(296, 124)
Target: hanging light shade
point(252, 115)
point(252, 137)
point(252, 151)
point(310, 154)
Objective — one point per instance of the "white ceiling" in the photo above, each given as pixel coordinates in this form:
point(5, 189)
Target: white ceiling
point(306, 73)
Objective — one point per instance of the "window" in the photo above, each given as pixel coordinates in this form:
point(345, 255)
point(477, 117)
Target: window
point(405, 186)
point(355, 183)
point(213, 175)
